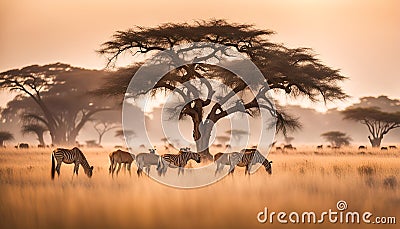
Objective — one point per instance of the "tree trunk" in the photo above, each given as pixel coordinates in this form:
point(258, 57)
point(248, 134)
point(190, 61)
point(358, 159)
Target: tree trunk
point(202, 144)
point(41, 139)
point(72, 137)
point(60, 137)
point(376, 141)
point(100, 138)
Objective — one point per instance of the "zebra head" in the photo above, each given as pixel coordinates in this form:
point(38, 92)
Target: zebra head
point(193, 155)
point(268, 166)
point(89, 172)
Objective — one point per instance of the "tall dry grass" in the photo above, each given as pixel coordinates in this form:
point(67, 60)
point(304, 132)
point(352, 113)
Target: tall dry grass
point(301, 181)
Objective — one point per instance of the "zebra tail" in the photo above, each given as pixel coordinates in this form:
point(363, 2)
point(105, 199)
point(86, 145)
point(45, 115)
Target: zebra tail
point(53, 166)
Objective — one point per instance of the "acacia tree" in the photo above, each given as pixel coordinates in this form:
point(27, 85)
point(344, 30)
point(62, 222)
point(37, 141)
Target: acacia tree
point(288, 139)
point(296, 72)
point(237, 134)
point(336, 138)
point(54, 96)
point(378, 122)
point(36, 129)
point(103, 127)
point(222, 139)
point(5, 136)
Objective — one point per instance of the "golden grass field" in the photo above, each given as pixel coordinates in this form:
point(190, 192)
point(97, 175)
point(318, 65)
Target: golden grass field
point(301, 181)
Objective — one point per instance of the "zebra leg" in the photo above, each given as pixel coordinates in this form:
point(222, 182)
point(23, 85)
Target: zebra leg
point(114, 167)
point(129, 168)
point(76, 168)
point(164, 169)
point(231, 169)
point(249, 169)
point(124, 168)
point(58, 167)
point(246, 169)
point(180, 170)
point(216, 170)
point(119, 167)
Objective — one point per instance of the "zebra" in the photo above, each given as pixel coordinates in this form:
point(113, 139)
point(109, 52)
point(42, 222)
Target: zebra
point(222, 159)
point(69, 156)
point(176, 160)
point(250, 157)
point(146, 160)
point(119, 157)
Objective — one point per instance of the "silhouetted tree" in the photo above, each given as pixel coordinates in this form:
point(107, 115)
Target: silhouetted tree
point(296, 72)
point(288, 140)
point(103, 127)
point(222, 139)
point(55, 96)
point(378, 122)
point(237, 134)
point(36, 129)
point(336, 138)
point(5, 136)
point(128, 133)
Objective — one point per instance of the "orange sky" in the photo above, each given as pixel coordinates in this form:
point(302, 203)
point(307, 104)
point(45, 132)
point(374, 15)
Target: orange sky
point(361, 37)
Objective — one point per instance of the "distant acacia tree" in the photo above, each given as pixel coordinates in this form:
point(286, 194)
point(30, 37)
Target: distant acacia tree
point(103, 127)
point(288, 139)
point(237, 134)
point(36, 129)
point(56, 96)
point(222, 139)
point(5, 136)
point(336, 138)
point(128, 133)
point(378, 122)
point(296, 72)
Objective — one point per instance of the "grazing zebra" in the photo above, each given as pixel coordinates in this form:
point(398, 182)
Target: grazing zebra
point(251, 157)
point(320, 147)
point(69, 156)
point(119, 157)
point(362, 147)
point(392, 147)
point(222, 159)
point(145, 161)
point(288, 146)
point(176, 160)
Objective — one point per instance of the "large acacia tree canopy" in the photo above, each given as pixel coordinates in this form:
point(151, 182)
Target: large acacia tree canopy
point(296, 71)
point(379, 122)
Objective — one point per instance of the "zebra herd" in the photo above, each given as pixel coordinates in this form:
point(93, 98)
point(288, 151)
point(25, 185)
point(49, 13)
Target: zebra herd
point(245, 158)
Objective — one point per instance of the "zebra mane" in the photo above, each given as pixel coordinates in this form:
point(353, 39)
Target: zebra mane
point(80, 152)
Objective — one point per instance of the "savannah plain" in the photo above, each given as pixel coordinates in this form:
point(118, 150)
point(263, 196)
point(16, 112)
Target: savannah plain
point(302, 180)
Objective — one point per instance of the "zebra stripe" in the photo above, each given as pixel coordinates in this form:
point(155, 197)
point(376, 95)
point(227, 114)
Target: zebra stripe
point(176, 160)
point(69, 156)
point(250, 157)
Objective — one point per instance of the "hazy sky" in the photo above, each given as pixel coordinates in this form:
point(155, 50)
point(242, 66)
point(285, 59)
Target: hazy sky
point(360, 37)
